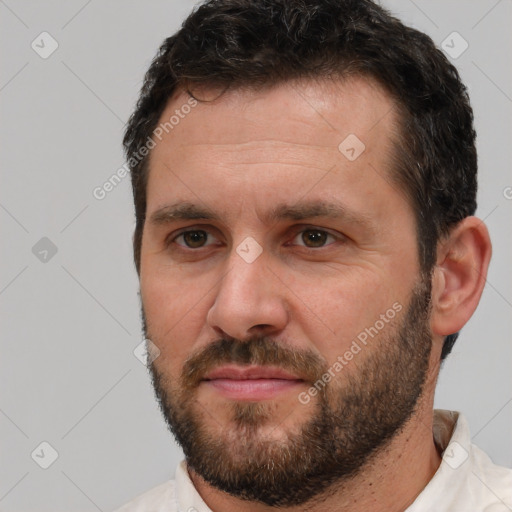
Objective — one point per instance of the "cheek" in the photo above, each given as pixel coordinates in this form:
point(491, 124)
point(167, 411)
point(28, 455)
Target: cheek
point(175, 314)
point(338, 308)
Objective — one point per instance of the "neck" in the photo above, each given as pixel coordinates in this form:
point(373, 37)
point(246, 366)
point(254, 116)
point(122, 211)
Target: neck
point(389, 482)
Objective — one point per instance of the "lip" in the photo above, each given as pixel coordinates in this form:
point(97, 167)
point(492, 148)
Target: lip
point(251, 383)
point(250, 372)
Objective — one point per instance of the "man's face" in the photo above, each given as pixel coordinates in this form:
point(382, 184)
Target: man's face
point(270, 278)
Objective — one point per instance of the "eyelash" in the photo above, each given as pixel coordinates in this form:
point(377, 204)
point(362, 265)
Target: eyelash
point(173, 239)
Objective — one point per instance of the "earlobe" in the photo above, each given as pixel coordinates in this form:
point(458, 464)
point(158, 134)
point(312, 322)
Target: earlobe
point(459, 276)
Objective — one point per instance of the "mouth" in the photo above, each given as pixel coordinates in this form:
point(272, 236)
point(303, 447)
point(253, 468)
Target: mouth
point(251, 383)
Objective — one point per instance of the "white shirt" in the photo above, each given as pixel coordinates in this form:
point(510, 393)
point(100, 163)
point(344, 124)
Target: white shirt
point(466, 481)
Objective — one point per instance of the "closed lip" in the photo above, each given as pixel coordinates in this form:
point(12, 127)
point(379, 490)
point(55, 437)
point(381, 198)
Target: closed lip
point(250, 372)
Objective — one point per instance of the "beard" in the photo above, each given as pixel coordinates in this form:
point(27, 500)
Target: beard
point(350, 420)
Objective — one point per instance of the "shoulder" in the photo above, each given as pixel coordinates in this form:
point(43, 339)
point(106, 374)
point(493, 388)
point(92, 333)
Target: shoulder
point(467, 479)
point(487, 482)
point(161, 498)
point(491, 480)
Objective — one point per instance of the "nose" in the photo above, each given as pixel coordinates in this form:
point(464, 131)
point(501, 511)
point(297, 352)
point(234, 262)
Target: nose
point(250, 300)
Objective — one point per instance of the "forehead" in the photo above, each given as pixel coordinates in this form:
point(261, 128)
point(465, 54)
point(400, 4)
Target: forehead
point(282, 138)
point(309, 110)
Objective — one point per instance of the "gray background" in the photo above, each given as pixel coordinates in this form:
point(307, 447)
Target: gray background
point(70, 324)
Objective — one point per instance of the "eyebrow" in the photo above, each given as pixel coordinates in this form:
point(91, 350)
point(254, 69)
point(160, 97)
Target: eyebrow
point(298, 211)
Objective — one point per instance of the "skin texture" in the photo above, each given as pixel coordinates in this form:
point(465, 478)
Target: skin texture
point(238, 157)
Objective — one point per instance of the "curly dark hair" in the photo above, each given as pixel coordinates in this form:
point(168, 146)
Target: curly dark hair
point(262, 43)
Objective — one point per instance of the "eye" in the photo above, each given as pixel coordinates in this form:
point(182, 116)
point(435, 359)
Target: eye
point(313, 238)
point(193, 239)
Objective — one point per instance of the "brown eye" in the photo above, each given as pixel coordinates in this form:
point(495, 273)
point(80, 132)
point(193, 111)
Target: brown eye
point(314, 238)
point(194, 239)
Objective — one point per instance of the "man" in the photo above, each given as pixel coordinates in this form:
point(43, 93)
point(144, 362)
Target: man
point(304, 177)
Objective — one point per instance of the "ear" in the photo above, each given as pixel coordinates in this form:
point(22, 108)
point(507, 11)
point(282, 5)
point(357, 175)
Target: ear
point(459, 275)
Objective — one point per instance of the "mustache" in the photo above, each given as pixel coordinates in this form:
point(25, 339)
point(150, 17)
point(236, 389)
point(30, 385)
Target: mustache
point(261, 351)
